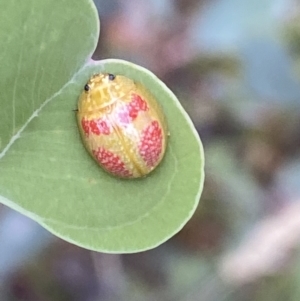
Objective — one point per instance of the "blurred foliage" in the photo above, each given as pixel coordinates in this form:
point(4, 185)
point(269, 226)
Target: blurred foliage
point(290, 33)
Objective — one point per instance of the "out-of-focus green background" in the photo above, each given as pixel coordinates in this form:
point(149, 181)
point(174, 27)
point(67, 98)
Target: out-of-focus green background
point(235, 66)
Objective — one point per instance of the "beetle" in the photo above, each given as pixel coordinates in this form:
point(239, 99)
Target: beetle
point(122, 125)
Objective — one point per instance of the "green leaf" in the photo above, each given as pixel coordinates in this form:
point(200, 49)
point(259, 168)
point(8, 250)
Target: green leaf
point(45, 171)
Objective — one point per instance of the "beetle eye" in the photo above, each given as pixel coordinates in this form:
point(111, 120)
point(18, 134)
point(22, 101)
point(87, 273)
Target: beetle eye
point(111, 76)
point(86, 87)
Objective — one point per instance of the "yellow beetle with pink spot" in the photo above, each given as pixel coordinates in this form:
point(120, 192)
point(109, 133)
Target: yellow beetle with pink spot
point(122, 125)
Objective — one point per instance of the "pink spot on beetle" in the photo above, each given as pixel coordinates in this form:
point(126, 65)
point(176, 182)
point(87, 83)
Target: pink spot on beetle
point(85, 126)
point(123, 115)
point(136, 105)
point(150, 146)
point(99, 126)
point(111, 162)
point(127, 113)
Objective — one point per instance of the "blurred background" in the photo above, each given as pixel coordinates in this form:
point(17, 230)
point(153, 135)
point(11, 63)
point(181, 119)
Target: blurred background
point(235, 66)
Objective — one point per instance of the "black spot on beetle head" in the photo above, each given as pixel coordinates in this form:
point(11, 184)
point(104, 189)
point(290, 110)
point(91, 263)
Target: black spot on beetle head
point(86, 87)
point(111, 76)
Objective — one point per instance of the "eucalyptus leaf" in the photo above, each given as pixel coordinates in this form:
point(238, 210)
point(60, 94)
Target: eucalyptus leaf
point(45, 171)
